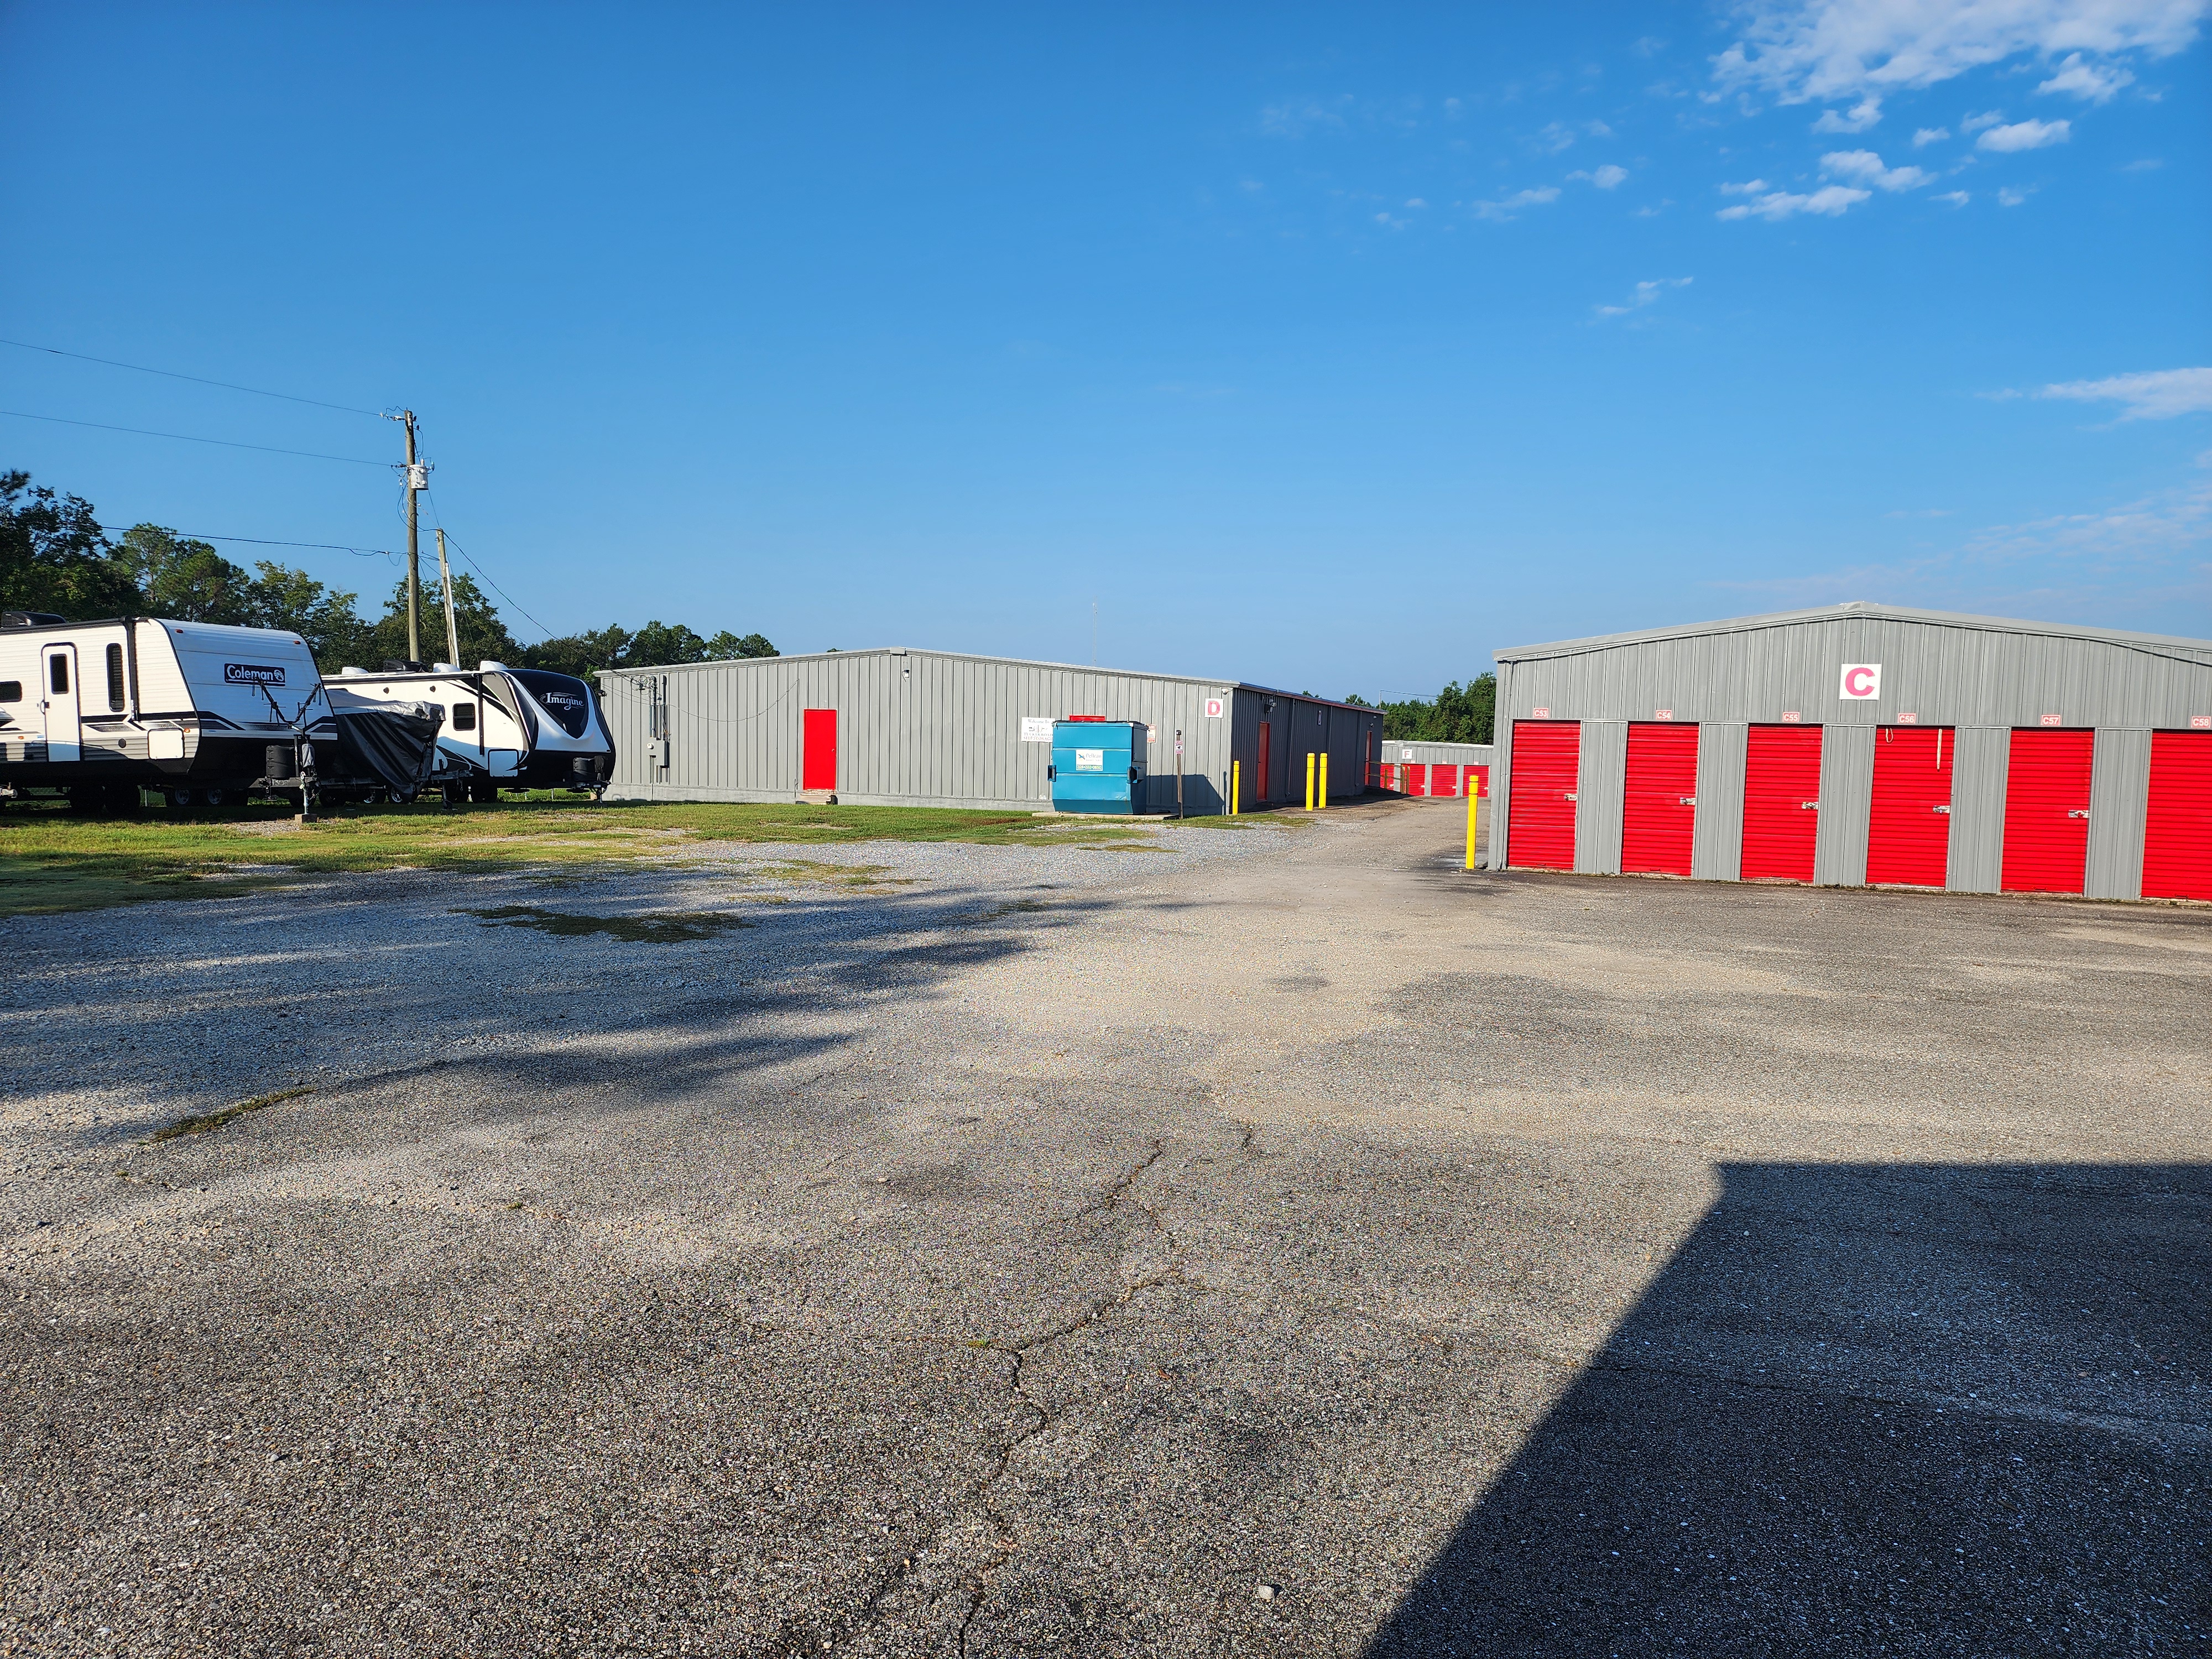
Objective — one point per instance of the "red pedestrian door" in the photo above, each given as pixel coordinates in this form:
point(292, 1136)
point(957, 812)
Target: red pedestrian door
point(1781, 802)
point(1539, 827)
point(818, 759)
point(1659, 814)
point(1909, 827)
point(2177, 828)
point(2046, 831)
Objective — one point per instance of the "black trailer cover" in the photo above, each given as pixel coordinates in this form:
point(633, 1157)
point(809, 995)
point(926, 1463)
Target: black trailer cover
point(396, 744)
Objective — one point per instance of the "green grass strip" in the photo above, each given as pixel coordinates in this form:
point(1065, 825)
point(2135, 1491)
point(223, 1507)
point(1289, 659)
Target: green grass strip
point(200, 1124)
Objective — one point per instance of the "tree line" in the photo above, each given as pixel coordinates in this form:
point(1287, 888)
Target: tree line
point(1457, 714)
point(55, 556)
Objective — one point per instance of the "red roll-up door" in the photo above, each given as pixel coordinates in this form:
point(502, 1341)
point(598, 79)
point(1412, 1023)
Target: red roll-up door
point(1540, 829)
point(1443, 781)
point(1781, 802)
point(2046, 832)
point(1909, 828)
point(817, 758)
point(2178, 827)
point(1659, 813)
point(1417, 778)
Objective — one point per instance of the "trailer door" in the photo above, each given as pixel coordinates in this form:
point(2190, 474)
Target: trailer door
point(63, 733)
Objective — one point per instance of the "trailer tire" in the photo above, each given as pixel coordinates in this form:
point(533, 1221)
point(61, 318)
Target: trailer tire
point(179, 800)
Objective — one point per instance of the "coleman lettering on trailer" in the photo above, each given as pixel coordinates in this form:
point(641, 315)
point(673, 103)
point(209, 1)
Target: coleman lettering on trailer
point(252, 673)
point(1862, 682)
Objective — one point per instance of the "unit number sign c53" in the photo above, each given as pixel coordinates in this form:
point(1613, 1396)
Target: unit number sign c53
point(1862, 682)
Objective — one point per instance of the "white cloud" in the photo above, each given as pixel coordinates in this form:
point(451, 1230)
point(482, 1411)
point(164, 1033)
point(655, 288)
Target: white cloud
point(1928, 136)
point(1298, 116)
point(1955, 197)
point(1986, 118)
point(2157, 395)
point(1506, 207)
point(1750, 187)
point(2007, 197)
point(1597, 129)
point(1807, 50)
point(1830, 199)
point(1646, 294)
point(1415, 202)
point(1555, 137)
point(2025, 134)
point(2090, 81)
point(1863, 167)
point(1608, 176)
point(1862, 115)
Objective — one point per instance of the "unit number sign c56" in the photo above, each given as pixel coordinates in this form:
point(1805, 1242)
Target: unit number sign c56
point(1862, 682)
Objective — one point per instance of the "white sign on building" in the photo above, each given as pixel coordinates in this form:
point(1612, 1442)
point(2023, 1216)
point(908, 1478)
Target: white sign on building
point(1213, 706)
point(1862, 682)
point(1037, 728)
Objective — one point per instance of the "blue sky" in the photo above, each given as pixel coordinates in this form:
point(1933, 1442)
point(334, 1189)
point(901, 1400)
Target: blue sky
point(1333, 348)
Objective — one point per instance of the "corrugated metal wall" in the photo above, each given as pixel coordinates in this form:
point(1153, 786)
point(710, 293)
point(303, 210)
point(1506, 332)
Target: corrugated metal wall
point(1983, 677)
point(2119, 802)
point(1600, 795)
point(924, 728)
point(1978, 803)
point(1438, 754)
point(1716, 854)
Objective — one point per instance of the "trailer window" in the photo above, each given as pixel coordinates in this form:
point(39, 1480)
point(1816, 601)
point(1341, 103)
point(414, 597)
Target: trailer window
point(57, 675)
point(464, 717)
point(11, 690)
point(115, 678)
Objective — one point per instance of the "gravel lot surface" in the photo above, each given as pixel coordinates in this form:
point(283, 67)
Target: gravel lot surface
point(1275, 1241)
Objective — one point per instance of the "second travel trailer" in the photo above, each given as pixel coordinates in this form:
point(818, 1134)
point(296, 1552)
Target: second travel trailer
point(512, 728)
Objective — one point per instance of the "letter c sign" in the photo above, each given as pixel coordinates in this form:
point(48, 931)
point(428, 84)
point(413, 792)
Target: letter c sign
point(1862, 682)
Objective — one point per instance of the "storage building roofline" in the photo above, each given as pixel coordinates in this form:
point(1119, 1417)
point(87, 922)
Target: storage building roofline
point(1224, 685)
point(2186, 650)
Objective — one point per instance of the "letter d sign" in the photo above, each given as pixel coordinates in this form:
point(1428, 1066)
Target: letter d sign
point(1862, 682)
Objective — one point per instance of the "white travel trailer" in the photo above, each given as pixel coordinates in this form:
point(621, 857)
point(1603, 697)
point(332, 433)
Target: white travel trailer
point(504, 728)
point(100, 710)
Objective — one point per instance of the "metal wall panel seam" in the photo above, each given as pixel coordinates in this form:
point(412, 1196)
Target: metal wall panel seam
point(2119, 807)
point(1716, 851)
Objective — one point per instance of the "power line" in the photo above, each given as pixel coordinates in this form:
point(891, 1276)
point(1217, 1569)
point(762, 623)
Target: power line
point(262, 541)
point(439, 519)
point(186, 437)
point(227, 385)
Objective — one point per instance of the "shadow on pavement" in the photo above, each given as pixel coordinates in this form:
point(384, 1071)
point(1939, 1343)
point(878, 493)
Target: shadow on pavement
point(1900, 1410)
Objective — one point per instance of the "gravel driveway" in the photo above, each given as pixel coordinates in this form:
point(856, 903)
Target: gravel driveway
point(1273, 1241)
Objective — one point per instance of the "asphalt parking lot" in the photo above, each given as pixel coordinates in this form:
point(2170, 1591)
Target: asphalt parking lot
point(1297, 1246)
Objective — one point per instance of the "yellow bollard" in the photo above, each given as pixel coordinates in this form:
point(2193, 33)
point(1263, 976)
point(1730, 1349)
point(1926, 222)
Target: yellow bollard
point(1236, 778)
point(1322, 798)
point(1310, 771)
point(1473, 795)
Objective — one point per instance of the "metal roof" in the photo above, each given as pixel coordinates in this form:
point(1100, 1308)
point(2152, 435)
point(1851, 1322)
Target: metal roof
point(1224, 685)
point(2162, 644)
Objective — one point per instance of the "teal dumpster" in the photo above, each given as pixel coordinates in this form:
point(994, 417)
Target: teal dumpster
point(1097, 766)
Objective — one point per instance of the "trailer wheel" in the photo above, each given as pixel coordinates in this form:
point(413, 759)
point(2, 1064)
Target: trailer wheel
point(213, 798)
point(483, 790)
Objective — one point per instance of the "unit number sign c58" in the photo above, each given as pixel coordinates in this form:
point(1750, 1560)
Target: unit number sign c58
point(1862, 682)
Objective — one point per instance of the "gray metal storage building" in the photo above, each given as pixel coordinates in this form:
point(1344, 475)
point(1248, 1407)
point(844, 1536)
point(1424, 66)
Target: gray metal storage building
point(1863, 744)
point(934, 728)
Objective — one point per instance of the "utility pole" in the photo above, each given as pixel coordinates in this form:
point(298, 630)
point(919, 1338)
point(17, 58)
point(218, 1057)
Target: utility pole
point(415, 480)
point(446, 586)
